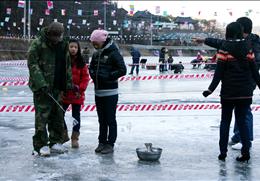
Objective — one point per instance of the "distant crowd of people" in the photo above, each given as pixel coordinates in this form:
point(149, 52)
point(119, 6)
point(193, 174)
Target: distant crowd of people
point(165, 64)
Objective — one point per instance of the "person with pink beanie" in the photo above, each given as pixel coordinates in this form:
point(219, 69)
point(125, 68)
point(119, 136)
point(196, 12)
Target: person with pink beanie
point(106, 66)
point(99, 36)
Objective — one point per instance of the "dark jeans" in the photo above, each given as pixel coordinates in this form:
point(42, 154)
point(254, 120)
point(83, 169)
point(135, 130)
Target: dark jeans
point(137, 69)
point(240, 117)
point(249, 122)
point(106, 110)
point(163, 67)
point(170, 66)
point(75, 115)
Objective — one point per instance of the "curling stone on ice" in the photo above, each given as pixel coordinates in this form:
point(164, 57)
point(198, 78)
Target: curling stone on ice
point(149, 153)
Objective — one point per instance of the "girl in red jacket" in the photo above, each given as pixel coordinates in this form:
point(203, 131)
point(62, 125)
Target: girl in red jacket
point(76, 97)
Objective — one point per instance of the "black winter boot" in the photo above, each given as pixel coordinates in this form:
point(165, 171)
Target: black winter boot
point(243, 158)
point(222, 157)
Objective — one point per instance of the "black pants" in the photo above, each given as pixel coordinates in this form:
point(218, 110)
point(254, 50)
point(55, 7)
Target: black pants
point(240, 117)
point(106, 110)
point(75, 115)
point(137, 69)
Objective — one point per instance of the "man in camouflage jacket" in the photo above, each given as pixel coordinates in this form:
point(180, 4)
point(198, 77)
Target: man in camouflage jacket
point(50, 74)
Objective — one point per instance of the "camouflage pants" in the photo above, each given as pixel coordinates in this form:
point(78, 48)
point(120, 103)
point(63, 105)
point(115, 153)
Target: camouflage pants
point(47, 114)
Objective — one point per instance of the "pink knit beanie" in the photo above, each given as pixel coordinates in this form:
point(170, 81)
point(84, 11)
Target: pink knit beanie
point(98, 36)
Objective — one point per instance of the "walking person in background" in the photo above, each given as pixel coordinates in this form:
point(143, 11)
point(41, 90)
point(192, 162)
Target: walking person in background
point(136, 59)
point(76, 97)
point(49, 75)
point(162, 60)
point(106, 66)
point(170, 61)
point(237, 71)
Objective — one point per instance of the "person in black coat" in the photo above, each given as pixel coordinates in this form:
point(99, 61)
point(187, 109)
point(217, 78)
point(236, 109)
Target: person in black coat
point(237, 71)
point(162, 60)
point(136, 59)
point(106, 66)
point(253, 41)
point(178, 68)
point(170, 61)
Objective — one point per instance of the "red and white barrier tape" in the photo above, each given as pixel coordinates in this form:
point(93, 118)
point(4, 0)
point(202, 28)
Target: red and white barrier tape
point(131, 107)
point(183, 63)
point(147, 64)
point(18, 81)
point(15, 83)
point(14, 78)
point(170, 76)
point(14, 63)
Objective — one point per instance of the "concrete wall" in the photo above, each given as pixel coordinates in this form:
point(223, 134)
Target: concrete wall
point(13, 49)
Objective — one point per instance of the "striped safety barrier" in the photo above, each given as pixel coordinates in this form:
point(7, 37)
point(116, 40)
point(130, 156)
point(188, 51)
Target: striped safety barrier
point(24, 63)
point(176, 63)
point(15, 83)
point(21, 81)
point(14, 63)
point(132, 107)
point(14, 78)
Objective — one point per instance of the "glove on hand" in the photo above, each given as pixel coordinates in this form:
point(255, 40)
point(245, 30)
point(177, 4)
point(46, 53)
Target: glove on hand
point(75, 88)
point(206, 93)
point(44, 90)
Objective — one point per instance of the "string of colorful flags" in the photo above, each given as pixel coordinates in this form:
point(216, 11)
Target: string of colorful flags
point(21, 4)
point(96, 12)
point(165, 13)
point(50, 5)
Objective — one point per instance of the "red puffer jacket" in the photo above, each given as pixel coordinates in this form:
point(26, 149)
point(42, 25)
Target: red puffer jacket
point(80, 77)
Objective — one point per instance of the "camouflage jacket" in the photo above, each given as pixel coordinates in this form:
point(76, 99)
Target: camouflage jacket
point(41, 63)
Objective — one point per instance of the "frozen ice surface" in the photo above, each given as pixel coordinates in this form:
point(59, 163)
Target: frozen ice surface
point(189, 139)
